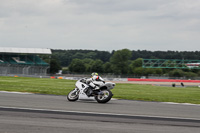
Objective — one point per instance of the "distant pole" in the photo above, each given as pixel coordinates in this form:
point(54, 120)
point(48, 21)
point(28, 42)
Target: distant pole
point(49, 63)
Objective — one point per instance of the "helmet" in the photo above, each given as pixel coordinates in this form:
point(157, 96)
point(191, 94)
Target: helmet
point(94, 73)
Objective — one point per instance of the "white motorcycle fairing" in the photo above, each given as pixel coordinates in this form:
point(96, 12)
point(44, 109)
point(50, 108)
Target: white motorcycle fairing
point(82, 86)
point(101, 95)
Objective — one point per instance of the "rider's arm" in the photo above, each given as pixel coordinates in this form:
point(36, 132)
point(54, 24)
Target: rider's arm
point(90, 81)
point(97, 78)
point(101, 79)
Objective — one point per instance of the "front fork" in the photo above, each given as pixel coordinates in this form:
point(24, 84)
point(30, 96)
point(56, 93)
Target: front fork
point(76, 91)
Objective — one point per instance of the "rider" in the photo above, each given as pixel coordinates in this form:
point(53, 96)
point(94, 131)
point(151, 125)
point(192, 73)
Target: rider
point(94, 81)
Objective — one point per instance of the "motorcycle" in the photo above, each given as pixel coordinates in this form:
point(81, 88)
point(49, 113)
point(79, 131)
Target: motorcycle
point(101, 95)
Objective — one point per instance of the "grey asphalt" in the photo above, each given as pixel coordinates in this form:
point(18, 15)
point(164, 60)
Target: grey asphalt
point(25, 115)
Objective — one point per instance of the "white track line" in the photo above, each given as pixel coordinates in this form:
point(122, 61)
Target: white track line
point(26, 93)
point(12, 92)
point(97, 113)
point(189, 104)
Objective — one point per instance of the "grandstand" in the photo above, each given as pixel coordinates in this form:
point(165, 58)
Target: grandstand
point(23, 61)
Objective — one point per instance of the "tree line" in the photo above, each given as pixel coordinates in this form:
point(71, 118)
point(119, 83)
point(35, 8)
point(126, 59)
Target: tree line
point(122, 61)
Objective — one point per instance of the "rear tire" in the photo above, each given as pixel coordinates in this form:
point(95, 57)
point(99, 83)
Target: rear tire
point(104, 98)
point(73, 95)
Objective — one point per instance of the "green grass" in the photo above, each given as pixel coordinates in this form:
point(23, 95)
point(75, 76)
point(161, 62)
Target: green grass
point(121, 91)
point(36, 85)
point(158, 93)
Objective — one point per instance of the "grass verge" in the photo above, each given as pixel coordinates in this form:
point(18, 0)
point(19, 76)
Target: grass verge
point(121, 91)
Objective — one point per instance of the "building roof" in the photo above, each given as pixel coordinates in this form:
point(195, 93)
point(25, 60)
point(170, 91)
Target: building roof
point(25, 50)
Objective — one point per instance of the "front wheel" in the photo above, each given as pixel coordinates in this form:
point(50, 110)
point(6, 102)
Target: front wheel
point(105, 97)
point(73, 95)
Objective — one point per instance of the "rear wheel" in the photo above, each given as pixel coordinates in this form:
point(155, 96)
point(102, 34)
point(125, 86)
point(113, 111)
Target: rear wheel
point(73, 95)
point(105, 97)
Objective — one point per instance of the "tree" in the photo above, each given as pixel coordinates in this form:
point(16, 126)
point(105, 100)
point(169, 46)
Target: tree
point(139, 71)
point(190, 74)
point(54, 66)
point(107, 67)
point(77, 65)
point(135, 64)
point(88, 64)
point(158, 71)
point(91, 55)
point(66, 56)
point(97, 66)
point(176, 73)
point(120, 60)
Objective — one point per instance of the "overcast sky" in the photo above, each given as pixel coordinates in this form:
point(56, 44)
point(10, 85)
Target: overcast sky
point(101, 24)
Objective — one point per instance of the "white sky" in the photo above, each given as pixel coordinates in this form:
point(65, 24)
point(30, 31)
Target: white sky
point(101, 24)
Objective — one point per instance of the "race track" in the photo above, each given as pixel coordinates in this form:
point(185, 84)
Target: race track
point(22, 113)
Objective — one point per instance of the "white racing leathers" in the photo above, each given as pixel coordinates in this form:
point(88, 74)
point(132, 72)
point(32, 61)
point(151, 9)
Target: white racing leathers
point(95, 82)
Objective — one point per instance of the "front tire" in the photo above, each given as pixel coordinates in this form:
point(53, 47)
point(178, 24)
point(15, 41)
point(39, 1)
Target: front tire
point(104, 98)
point(73, 95)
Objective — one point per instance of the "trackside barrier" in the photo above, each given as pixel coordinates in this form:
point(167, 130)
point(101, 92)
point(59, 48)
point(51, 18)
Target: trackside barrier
point(164, 80)
point(106, 79)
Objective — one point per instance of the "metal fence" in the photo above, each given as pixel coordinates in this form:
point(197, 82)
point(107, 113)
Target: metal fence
point(6, 69)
